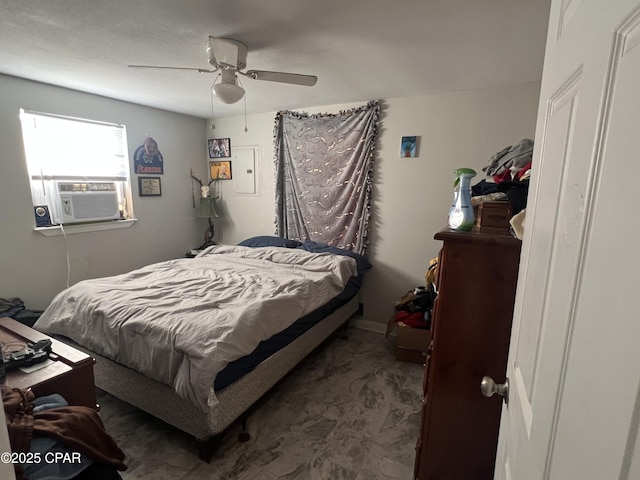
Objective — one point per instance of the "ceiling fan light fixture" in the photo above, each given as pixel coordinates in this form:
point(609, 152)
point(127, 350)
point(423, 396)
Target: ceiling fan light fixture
point(228, 92)
point(227, 89)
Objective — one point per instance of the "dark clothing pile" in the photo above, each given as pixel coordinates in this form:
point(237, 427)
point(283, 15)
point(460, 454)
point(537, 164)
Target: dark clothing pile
point(415, 307)
point(14, 308)
point(77, 428)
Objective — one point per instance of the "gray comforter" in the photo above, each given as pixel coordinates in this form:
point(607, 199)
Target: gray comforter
point(182, 321)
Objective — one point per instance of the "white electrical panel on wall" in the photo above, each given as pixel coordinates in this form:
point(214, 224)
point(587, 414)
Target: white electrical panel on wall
point(244, 170)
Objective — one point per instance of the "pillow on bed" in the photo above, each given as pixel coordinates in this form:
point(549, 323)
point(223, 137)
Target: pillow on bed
point(269, 241)
point(362, 263)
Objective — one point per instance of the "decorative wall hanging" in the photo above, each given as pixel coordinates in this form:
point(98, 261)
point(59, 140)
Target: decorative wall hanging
point(147, 158)
point(219, 147)
point(220, 170)
point(409, 147)
point(324, 174)
point(206, 207)
point(149, 186)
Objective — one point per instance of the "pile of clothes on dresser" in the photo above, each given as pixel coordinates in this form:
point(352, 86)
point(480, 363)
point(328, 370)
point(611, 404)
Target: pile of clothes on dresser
point(507, 176)
point(507, 179)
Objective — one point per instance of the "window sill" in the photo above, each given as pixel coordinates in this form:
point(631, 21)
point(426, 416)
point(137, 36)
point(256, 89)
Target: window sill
point(56, 231)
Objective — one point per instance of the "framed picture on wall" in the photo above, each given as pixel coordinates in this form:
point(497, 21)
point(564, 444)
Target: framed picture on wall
point(149, 187)
point(220, 170)
point(409, 147)
point(219, 147)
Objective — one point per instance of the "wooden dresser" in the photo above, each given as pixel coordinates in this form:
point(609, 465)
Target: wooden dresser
point(471, 330)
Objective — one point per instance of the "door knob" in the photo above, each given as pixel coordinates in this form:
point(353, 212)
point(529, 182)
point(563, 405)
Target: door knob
point(488, 387)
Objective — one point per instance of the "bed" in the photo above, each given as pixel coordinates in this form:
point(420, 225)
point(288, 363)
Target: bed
point(197, 342)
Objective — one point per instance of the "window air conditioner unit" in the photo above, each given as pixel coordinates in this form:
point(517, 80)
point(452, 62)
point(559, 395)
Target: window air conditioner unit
point(78, 202)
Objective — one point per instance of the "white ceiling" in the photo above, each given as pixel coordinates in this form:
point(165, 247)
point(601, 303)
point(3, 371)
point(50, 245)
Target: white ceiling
point(359, 49)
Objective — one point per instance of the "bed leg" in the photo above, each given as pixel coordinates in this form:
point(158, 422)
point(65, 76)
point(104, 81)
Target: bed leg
point(244, 436)
point(345, 328)
point(207, 448)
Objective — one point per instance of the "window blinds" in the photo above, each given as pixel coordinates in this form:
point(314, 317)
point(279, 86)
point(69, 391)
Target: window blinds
point(59, 147)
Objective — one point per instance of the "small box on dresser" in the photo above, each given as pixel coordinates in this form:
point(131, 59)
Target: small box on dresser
point(493, 217)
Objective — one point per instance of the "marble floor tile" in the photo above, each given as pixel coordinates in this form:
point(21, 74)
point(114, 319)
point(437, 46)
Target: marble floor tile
point(382, 468)
point(348, 412)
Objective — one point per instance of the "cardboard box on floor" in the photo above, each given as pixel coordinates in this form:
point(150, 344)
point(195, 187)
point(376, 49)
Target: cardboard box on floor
point(411, 343)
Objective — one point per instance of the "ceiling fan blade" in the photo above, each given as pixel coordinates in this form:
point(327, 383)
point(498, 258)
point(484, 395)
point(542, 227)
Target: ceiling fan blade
point(199, 70)
point(281, 77)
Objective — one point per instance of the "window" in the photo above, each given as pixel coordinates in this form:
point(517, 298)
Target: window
point(79, 169)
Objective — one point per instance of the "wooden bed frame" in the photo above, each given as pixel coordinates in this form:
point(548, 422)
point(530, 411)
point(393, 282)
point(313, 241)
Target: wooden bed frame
point(208, 428)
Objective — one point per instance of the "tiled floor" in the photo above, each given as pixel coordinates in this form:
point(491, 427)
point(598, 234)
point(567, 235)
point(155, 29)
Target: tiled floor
point(350, 411)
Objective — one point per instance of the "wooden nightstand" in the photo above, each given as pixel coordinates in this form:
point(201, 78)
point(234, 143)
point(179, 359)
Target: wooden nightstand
point(70, 374)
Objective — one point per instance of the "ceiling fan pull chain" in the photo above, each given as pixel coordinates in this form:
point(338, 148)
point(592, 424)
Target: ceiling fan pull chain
point(213, 125)
point(245, 109)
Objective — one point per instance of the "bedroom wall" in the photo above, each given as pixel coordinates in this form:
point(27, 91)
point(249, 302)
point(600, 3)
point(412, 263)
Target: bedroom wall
point(411, 196)
point(34, 267)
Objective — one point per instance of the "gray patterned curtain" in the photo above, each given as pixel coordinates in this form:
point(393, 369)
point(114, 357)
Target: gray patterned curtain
point(324, 173)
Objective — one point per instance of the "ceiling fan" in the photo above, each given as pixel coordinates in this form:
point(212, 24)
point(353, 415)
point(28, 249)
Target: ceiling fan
point(229, 57)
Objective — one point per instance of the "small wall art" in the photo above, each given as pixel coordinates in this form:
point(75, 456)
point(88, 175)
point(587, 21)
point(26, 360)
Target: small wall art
point(149, 187)
point(220, 170)
point(409, 147)
point(219, 147)
point(147, 158)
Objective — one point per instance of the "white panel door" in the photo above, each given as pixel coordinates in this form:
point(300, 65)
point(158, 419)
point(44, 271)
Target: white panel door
point(574, 361)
